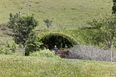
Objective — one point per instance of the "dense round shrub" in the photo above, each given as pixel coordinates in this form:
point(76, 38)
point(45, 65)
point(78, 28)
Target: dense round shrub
point(91, 53)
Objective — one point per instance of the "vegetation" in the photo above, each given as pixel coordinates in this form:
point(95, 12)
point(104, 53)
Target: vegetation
point(68, 15)
point(69, 27)
point(41, 66)
point(106, 28)
point(48, 23)
point(44, 53)
point(21, 27)
point(33, 43)
point(51, 38)
point(91, 53)
point(114, 7)
point(14, 47)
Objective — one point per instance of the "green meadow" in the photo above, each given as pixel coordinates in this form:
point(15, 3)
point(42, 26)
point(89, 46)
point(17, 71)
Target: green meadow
point(20, 66)
point(67, 16)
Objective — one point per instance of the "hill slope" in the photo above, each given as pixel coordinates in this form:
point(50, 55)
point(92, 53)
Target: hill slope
point(69, 14)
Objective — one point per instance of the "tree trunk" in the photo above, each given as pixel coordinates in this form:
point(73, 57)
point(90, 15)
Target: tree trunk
point(24, 49)
point(20, 31)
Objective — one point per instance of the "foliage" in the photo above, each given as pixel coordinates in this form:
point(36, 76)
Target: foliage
point(114, 7)
point(5, 51)
point(51, 38)
point(48, 23)
point(91, 53)
point(33, 43)
point(8, 44)
point(43, 53)
point(12, 21)
point(14, 47)
point(21, 27)
point(106, 28)
point(79, 36)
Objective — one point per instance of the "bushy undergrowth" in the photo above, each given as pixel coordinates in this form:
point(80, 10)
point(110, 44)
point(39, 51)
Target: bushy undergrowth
point(43, 53)
point(91, 53)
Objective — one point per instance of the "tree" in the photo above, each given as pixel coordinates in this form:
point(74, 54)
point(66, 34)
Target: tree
point(21, 27)
point(48, 23)
point(33, 43)
point(107, 27)
point(114, 7)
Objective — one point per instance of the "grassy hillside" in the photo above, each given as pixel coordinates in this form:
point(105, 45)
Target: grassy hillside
point(65, 14)
point(19, 66)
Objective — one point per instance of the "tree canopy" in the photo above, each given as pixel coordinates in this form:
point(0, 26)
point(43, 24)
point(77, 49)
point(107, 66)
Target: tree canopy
point(21, 27)
point(106, 27)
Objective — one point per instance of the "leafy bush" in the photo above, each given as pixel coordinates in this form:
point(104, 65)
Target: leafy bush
point(33, 43)
point(91, 53)
point(43, 53)
point(8, 44)
point(14, 47)
point(5, 51)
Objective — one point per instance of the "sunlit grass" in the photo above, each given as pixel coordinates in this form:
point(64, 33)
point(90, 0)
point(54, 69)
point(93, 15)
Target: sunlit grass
point(65, 14)
point(70, 14)
point(53, 67)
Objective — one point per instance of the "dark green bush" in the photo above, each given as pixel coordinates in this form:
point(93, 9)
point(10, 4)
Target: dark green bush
point(33, 43)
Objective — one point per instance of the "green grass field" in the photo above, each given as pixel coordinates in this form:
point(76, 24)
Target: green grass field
point(20, 66)
point(65, 14)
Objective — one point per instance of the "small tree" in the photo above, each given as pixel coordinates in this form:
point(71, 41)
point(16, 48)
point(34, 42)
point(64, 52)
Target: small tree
point(33, 43)
point(21, 27)
point(107, 27)
point(48, 23)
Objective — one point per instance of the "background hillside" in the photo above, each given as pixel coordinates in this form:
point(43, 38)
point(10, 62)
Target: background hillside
point(65, 14)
